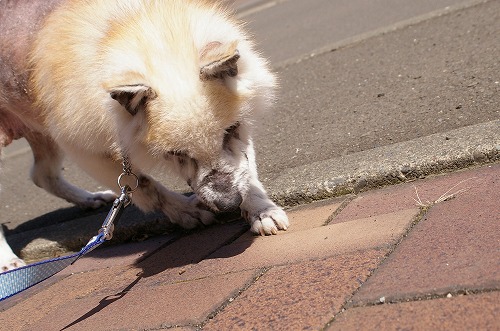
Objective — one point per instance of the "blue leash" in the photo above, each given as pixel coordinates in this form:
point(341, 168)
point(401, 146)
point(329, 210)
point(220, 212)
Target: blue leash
point(17, 280)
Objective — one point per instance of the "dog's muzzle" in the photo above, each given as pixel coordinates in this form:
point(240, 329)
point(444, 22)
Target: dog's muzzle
point(218, 192)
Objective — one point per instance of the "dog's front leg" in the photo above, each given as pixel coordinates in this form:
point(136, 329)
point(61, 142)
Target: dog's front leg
point(264, 216)
point(150, 195)
point(185, 211)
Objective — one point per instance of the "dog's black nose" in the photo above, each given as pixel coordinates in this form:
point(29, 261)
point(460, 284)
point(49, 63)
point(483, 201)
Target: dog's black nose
point(217, 190)
point(228, 203)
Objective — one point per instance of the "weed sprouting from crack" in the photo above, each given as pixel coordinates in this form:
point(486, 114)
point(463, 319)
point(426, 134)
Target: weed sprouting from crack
point(448, 195)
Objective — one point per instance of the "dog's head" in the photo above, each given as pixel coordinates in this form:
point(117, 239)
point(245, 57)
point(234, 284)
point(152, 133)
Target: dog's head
point(194, 115)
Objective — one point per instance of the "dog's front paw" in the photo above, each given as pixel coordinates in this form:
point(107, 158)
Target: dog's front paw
point(191, 214)
point(267, 222)
point(12, 262)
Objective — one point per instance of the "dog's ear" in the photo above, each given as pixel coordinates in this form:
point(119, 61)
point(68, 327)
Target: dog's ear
point(133, 98)
point(218, 60)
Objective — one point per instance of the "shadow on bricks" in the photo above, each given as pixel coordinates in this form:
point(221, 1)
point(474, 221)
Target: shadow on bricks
point(106, 301)
point(202, 244)
point(169, 262)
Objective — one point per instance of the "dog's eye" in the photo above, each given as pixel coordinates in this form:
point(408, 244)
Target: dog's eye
point(231, 132)
point(232, 129)
point(177, 153)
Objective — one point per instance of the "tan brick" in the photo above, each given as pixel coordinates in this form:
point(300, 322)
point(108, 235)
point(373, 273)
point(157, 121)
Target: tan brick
point(304, 217)
point(312, 215)
point(315, 243)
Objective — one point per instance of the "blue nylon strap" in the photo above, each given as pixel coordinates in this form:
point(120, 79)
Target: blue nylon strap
point(20, 279)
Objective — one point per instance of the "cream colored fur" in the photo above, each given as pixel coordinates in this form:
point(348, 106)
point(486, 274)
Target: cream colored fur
point(173, 84)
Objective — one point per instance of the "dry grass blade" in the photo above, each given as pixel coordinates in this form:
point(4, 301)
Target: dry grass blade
point(444, 197)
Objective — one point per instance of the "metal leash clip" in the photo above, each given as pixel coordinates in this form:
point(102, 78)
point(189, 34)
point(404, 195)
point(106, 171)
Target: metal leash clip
point(115, 212)
point(122, 201)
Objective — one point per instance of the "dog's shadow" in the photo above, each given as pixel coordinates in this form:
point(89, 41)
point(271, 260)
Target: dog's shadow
point(151, 264)
point(155, 256)
point(69, 229)
point(177, 248)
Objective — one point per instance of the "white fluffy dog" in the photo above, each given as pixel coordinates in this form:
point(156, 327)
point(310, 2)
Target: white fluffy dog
point(168, 83)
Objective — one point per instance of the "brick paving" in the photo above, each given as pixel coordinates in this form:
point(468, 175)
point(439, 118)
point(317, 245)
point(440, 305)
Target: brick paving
point(376, 260)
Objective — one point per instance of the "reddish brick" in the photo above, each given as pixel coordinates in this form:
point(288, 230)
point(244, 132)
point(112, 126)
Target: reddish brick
point(397, 197)
point(181, 304)
point(373, 203)
point(455, 247)
point(315, 243)
point(297, 297)
point(470, 312)
point(51, 298)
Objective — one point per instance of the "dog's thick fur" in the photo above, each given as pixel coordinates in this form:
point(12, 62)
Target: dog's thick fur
point(169, 83)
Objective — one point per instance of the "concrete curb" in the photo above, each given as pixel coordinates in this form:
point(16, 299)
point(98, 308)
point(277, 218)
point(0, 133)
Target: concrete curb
point(434, 154)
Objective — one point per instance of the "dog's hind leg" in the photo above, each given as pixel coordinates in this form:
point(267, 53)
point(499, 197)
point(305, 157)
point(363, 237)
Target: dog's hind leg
point(46, 173)
point(8, 260)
